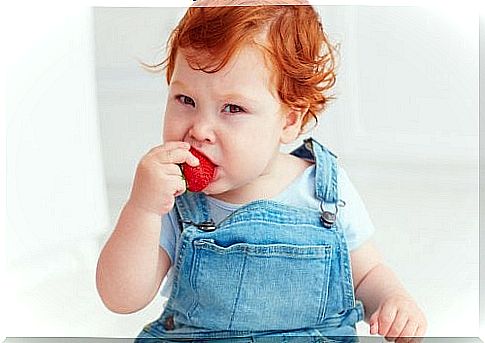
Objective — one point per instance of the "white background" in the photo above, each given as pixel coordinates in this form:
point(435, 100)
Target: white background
point(404, 125)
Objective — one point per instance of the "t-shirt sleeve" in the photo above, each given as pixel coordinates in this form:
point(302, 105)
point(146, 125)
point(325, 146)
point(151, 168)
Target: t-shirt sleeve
point(168, 234)
point(353, 217)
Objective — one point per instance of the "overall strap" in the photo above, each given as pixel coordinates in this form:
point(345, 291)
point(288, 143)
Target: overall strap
point(325, 170)
point(192, 209)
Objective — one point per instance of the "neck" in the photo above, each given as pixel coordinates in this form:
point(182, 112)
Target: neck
point(261, 187)
point(280, 173)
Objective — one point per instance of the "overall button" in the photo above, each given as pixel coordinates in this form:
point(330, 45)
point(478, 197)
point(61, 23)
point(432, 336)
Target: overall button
point(169, 324)
point(207, 226)
point(328, 219)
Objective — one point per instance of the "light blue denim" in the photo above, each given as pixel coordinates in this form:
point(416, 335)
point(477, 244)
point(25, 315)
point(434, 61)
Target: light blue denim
point(269, 272)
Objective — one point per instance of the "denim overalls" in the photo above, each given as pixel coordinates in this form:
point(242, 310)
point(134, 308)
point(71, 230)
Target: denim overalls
point(269, 272)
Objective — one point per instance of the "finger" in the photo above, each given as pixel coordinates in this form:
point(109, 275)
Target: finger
point(177, 185)
point(373, 322)
point(397, 325)
point(172, 169)
point(180, 191)
point(178, 155)
point(420, 332)
point(386, 318)
point(410, 340)
point(166, 204)
point(170, 146)
point(408, 331)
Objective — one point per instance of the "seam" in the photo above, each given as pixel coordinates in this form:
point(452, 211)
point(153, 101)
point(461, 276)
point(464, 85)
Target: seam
point(238, 291)
point(193, 282)
point(324, 296)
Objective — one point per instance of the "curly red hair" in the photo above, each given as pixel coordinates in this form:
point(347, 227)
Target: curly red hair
point(291, 36)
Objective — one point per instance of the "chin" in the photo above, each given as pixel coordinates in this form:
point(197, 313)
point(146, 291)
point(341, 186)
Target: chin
point(209, 190)
point(213, 189)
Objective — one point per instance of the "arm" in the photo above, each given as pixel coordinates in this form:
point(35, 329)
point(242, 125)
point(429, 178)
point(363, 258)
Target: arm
point(390, 310)
point(132, 266)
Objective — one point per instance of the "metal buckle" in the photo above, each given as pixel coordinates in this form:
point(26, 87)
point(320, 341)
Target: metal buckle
point(207, 226)
point(328, 218)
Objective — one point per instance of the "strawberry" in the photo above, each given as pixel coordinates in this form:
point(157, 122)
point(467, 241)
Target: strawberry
point(198, 178)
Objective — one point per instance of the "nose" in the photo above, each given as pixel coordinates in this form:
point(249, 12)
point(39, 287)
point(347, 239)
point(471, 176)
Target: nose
point(202, 129)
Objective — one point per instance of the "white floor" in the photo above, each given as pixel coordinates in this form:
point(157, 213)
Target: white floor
point(427, 227)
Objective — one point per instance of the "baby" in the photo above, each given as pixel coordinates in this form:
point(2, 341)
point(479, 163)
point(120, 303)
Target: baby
point(272, 244)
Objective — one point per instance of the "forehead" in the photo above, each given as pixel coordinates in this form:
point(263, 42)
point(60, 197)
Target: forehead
point(247, 71)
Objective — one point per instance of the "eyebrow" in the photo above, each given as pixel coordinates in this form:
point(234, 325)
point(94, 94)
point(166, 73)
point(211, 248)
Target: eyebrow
point(178, 82)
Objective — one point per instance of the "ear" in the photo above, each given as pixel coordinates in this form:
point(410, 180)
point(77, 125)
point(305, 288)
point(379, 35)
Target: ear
point(292, 125)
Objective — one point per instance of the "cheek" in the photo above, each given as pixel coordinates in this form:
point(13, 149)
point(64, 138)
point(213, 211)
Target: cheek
point(173, 127)
point(245, 159)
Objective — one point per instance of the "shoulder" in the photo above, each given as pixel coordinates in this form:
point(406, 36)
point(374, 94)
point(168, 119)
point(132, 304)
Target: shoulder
point(294, 165)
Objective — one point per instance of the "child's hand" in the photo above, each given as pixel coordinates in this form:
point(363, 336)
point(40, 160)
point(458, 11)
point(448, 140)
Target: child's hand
point(398, 318)
point(158, 178)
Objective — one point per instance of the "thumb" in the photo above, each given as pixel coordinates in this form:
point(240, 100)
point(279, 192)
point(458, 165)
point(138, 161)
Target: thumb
point(374, 323)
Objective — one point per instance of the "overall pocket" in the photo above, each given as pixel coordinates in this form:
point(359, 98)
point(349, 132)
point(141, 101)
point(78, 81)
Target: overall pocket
point(259, 287)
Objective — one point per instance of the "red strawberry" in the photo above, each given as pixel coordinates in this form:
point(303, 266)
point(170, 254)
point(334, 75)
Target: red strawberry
point(198, 178)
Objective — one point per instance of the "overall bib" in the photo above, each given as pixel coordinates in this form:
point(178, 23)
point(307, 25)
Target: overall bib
point(269, 272)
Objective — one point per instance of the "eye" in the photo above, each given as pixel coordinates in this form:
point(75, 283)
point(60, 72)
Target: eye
point(233, 108)
point(185, 100)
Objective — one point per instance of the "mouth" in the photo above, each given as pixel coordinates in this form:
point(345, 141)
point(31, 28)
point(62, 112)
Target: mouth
point(205, 156)
point(216, 174)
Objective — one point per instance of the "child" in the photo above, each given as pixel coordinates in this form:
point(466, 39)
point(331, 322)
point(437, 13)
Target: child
point(276, 245)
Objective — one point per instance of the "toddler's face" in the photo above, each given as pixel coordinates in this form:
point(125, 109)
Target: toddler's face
point(232, 116)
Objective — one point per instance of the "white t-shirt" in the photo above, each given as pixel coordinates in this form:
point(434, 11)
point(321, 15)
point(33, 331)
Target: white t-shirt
point(353, 218)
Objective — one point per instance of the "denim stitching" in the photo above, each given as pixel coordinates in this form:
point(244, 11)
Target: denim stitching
point(324, 297)
point(193, 282)
point(243, 272)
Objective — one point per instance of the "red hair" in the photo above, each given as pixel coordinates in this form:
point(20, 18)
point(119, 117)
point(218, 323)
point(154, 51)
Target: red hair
point(291, 37)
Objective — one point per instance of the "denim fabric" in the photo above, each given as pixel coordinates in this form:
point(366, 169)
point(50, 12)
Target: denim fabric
point(268, 272)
